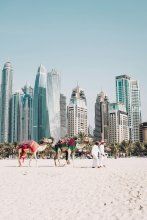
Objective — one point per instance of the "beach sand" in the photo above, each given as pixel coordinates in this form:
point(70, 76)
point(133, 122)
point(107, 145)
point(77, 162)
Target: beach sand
point(118, 191)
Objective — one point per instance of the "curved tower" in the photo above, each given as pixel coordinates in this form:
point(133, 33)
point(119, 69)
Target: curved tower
point(6, 102)
point(39, 106)
point(53, 103)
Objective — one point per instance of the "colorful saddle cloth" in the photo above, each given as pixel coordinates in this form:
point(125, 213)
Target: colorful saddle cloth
point(60, 146)
point(72, 144)
point(32, 145)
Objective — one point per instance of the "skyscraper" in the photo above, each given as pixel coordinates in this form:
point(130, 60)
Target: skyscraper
point(53, 104)
point(40, 116)
point(143, 132)
point(6, 102)
point(22, 115)
point(128, 93)
point(16, 131)
point(136, 110)
point(118, 123)
point(63, 115)
point(27, 105)
point(77, 113)
point(123, 94)
point(101, 131)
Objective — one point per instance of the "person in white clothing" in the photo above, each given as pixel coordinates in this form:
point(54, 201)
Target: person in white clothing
point(94, 153)
point(102, 155)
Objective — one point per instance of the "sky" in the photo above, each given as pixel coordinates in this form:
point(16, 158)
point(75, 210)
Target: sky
point(88, 41)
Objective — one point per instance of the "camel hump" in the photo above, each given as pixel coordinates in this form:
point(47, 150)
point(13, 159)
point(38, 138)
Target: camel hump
point(27, 142)
point(31, 144)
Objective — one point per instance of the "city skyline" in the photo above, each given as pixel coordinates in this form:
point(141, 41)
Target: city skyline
point(88, 42)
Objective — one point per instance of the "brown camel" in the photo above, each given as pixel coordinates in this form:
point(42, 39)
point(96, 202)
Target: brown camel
point(61, 148)
point(68, 147)
point(31, 147)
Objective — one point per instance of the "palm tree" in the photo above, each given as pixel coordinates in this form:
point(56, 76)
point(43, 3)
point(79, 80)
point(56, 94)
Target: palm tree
point(1, 150)
point(129, 148)
point(14, 150)
point(138, 149)
point(81, 136)
point(145, 149)
point(114, 149)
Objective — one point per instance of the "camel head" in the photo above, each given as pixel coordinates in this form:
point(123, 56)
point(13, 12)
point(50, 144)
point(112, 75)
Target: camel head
point(46, 141)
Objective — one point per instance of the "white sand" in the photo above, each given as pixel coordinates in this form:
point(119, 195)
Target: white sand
point(118, 191)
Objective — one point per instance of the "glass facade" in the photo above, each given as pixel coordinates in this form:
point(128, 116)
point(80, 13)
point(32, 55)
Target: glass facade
point(101, 117)
point(16, 132)
point(128, 93)
point(136, 110)
point(40, 116)
point(123, 91)
point(123, 95)
point(6, 102)
point(63, 115)
point(53, 104)
point(27, 101)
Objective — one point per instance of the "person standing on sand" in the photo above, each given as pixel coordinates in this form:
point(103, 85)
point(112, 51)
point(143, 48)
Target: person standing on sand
point(95, 151)
point(101, 155)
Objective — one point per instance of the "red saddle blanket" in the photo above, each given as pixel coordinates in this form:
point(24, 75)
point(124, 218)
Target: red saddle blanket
point(32, 145)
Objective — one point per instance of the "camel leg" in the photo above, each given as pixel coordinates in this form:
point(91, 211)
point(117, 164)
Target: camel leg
point(55, 161)
point(69, 153)
point(19, 155)
point(55, 158)
point(58, 157)
point(66, 157)
point(31, 159)
point(33, 156)
point(73, 156)
point(59, 162)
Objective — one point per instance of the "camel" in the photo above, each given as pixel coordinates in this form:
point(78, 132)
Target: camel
point(31, 147)
point(60, 149)
point(85, 146)
point(63, 147)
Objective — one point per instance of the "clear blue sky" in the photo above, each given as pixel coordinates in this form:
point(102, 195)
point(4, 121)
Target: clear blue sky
point(88, 41)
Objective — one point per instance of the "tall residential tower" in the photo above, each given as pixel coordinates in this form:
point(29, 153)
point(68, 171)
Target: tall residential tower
point(16, 131)
point(53, 104)
point(128, 93)
point(40, 116)
point(136, 110)
point(6, 102)
point(63, 115)
point(77, 113)
point(27, 112)
point(118, 123)
point(101, 117)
